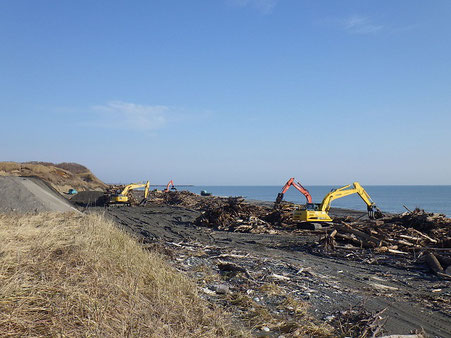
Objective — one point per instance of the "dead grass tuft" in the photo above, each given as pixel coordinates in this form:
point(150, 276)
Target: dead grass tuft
point(78, 275)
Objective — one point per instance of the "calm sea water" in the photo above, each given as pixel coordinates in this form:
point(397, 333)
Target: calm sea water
point(389, 198)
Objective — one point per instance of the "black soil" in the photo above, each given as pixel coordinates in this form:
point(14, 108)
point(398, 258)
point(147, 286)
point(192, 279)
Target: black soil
point(415, 299)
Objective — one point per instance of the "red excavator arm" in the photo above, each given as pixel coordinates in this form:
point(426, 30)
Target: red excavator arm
point(298, 186)
point(169, 184)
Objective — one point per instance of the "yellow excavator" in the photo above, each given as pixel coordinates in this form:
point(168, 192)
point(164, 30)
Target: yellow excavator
point(318, 212)
point(122, 198)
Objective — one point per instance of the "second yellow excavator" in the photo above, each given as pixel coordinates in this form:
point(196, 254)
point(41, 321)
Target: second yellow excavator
point(315, 212)
point(122, 198)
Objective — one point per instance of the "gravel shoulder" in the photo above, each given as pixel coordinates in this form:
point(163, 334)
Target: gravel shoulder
point(30, 194)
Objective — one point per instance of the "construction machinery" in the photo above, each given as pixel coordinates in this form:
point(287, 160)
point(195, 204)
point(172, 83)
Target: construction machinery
point(205, 193)
point(123, 198)
point(170, 184)
point(318, 212)
point(287, 186)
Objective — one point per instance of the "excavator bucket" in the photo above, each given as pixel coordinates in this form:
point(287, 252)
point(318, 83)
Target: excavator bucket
point(278, 199)
point(374, 212)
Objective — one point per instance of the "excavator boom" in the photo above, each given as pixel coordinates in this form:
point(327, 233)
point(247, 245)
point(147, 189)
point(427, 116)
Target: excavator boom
point(131, 187)
point(287, 186)
point(171, 183)
point(146, 193)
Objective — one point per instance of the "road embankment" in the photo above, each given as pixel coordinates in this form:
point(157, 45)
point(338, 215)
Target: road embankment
point(30, 194)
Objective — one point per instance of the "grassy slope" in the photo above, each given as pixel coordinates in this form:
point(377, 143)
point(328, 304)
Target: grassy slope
point(61, 176)
point(78, 275)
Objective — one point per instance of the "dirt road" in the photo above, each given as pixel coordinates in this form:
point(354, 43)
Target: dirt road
point(415, 299)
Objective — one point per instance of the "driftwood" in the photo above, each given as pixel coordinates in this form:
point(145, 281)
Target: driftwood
point(433, 263)
point(423, 235)
point(231, 267)
point(367, 240)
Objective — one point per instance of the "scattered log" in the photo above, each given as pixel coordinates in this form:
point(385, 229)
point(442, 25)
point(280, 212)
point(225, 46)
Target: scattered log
point(433, 263)
point(407, 208)
point(231, 267)
point(349, 238)
point(444, 275)
point(332, 235)
point(279, 277)
point(404, 336)
point(410, 237)
point(403, 242)
point(365, 238)
point(398, 252)
point(349, 247)
point(423, 235)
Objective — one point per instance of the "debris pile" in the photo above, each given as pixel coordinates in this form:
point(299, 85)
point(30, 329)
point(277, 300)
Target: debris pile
point(237, 216)
point(185, 199)
point(422, 221)
point(417, 236)
point(359, 322)
point(404, 240)
point(229, 214)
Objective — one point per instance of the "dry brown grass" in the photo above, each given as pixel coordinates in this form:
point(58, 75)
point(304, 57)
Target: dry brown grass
point(62, 176)
point(78, 275)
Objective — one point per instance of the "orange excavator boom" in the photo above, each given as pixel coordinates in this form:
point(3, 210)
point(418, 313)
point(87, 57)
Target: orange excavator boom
point(171, 183)
point(287, 186)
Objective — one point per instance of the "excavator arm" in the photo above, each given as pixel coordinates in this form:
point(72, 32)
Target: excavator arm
point(146, 193)
point(146, 190)
point(171, 183)
point(303, 191)
point(131, 187)
point(355, 188)
point(287, 186)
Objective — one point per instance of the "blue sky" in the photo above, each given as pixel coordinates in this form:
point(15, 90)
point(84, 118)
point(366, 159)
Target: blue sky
point(230, 91)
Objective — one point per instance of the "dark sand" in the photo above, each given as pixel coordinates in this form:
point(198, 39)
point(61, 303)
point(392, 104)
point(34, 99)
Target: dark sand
point(338, 283)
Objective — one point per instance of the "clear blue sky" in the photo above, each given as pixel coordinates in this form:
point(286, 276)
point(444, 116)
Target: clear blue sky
point(230, 91)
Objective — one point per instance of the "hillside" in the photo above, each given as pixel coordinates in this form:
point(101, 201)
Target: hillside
point(61, 176)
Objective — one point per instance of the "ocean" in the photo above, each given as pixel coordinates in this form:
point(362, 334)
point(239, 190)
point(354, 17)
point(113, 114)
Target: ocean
point(389, 198)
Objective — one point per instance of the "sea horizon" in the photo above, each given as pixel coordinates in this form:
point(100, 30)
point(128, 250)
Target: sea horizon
point(389, 198)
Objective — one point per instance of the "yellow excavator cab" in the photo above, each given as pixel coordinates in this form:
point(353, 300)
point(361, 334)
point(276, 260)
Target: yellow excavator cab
point(119, 199)
point(311, 212)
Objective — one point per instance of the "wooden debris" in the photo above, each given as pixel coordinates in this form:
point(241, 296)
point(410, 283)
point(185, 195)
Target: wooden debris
point(407, 235)
point(433, 263)
point(425, 236)
point(367, 240)
point(359, 322)
point(231, 267)
point(278, 277)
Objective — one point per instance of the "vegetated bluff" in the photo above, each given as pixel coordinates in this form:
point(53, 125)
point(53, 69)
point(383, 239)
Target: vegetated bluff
point(61, 176)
